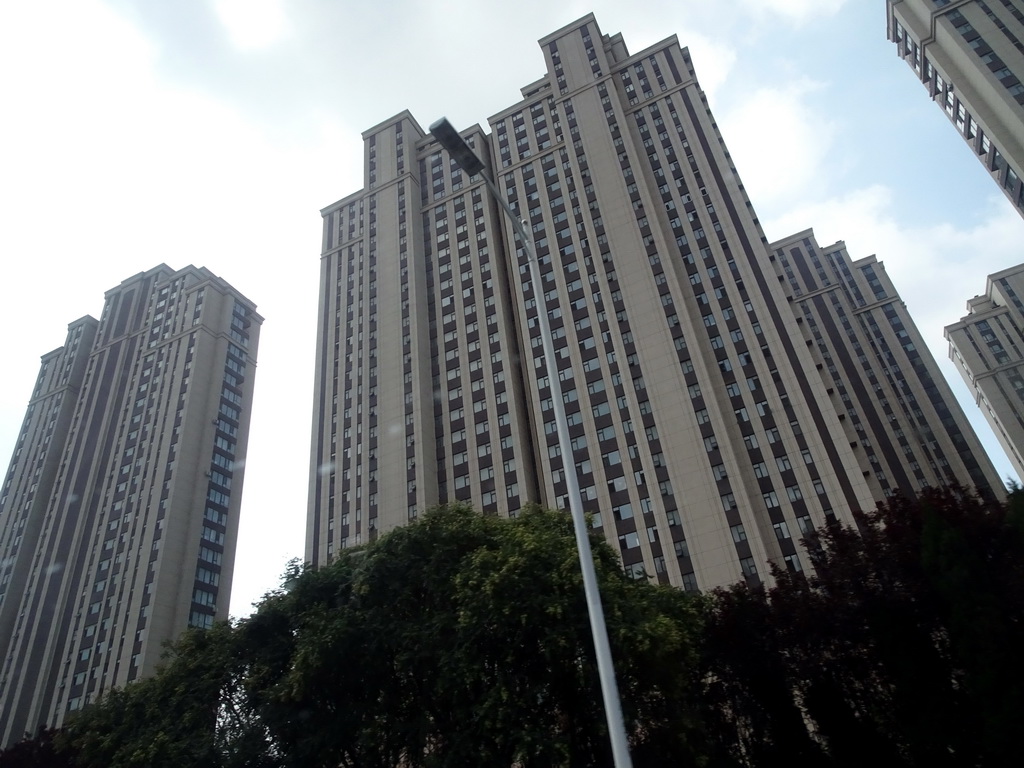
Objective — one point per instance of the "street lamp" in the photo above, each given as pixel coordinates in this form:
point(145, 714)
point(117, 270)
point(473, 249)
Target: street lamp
point(450, 139)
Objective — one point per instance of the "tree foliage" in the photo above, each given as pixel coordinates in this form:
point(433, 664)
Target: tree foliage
point(464, 640)
point(903, 647)
point(459, 640)
point(38, 751)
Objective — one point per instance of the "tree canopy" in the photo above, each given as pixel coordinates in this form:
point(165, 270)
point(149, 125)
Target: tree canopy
point(902, 647)
point(459, 640)
point(463, 640)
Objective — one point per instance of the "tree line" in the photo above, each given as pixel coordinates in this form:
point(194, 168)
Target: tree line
point(463, 639)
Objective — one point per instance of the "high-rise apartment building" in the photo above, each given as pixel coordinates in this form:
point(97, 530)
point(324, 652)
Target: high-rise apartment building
point(897, 410)
point(704, 437)
point(119, 513)
point(970, 56)
point(987, 346)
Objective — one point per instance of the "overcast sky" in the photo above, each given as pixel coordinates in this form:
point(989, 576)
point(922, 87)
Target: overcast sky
point(211, 132)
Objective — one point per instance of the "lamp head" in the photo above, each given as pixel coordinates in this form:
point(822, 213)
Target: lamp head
point(457, 147)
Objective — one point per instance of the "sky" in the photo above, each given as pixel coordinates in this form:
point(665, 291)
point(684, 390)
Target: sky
point(211, 132)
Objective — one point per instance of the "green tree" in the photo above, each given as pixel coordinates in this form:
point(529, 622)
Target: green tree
point(39, 751)
point(459, 640)
point(464, 639)
point(900, 649)
point(189, 714)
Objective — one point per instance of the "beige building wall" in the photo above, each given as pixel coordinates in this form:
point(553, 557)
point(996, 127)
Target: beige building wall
point(418, 392)
point(660, 230)
point(969, 54)
point(119, 514)
point(898, 412)
point(704, 449)
point(987, 348)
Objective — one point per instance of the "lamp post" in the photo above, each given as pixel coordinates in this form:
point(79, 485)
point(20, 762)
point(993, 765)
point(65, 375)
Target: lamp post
point(471, 165)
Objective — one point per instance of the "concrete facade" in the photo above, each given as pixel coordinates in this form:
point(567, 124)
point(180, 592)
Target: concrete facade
point(908, 430)
point(703, 445)
point(988, 350)
point(119, 513)
point(969, 54)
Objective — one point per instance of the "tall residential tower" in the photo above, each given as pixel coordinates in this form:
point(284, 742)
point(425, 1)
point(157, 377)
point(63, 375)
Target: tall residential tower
point(704, 437)
point(969, 54)
point(987, 346)
point(119, 513)
point(897, 410)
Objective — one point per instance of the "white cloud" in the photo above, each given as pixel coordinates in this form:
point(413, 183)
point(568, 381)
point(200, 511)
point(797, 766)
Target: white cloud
point(712, 60)
point(778, 143)
point(253, 24)
point(796, 10)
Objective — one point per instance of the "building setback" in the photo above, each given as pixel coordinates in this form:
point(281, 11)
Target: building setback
point(969, 54)
point(119, 513)
point(704, 438)
point(987, 346)
point(898, 412)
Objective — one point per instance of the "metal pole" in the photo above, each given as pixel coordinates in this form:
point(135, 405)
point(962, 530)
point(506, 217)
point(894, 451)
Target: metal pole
point(598, 627)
